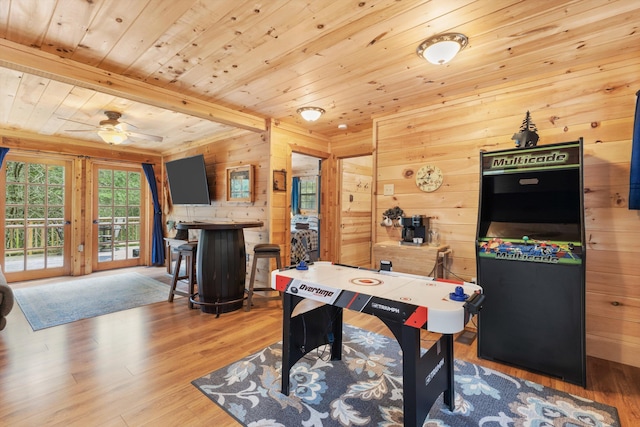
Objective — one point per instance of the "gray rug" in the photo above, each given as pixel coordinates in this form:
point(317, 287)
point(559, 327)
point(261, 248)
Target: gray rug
point(55, 304)
point(365, 388)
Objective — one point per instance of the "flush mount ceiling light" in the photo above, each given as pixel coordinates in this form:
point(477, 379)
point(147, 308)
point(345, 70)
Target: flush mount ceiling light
point(310, 114)
point(442, 48)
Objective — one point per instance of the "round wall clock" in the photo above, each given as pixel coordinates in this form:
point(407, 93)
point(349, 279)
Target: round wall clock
point(429, 178)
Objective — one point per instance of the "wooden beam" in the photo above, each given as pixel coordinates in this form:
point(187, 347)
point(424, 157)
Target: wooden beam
point(289, 127)
point(21, 140)
point(33, 61)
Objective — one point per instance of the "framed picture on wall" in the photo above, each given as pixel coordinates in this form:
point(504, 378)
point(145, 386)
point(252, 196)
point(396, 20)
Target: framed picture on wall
point(280, 180)
point(240, 184)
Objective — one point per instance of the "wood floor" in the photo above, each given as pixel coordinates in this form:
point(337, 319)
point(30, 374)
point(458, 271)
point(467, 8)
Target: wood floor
point(134, 368)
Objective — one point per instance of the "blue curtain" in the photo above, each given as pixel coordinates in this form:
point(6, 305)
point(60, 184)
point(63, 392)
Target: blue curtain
point(3, 152)
point(295, 195)
point(634, 176)
point(157, 244)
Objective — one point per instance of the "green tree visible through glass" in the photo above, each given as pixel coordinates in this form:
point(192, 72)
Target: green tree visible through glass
point(119, 201)
point(34, 213)
point(308, 193)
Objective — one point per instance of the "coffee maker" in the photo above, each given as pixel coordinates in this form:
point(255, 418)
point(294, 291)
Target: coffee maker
point(414, 227)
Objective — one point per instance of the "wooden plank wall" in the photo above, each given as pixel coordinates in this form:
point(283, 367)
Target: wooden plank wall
point(595, 102)
point(352, 144)
point(249, 149)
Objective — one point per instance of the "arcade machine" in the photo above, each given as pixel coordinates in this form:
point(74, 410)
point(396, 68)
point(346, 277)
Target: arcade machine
point(531, 259)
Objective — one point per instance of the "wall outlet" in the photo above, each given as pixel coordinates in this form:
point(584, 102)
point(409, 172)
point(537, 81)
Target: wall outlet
point(80, 248)
point(388, 189)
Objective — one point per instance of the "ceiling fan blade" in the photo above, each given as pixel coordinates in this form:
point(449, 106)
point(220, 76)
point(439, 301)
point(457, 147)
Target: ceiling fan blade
point(80, 130)
point(125, 126)
point(145, 136)
point(75, 121)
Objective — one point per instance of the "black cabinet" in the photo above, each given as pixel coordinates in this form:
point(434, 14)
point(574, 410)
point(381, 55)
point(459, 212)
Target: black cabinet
point(531, 260)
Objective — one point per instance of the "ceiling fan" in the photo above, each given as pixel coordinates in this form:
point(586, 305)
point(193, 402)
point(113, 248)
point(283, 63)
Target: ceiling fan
point(114, 132)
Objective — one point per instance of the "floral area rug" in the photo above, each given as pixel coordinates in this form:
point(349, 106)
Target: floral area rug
point(365, 388)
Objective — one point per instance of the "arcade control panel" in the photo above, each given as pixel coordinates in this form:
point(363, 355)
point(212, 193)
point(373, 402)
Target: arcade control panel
point(531, 250)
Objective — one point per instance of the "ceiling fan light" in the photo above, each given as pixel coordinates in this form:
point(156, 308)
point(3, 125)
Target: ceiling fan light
point(442, 48)
point(113, 137)
point(310, 114)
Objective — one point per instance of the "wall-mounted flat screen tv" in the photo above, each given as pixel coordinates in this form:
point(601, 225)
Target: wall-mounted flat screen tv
point(188, 181)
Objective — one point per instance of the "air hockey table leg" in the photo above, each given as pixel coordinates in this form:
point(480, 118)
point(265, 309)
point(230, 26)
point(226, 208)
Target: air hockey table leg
point(307, 325)
point(288, 303)
point(425, 376)
point(450, 392)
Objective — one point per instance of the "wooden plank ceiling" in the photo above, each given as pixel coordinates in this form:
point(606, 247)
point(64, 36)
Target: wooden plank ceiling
point(192, 69)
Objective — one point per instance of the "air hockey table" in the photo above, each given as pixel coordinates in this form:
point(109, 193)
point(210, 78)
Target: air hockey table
point(405, 303)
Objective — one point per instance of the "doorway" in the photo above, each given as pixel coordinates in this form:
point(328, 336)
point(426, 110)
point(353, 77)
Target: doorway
point(36, 225)
point(118, 230)
point(305, 208)
point(355, 211)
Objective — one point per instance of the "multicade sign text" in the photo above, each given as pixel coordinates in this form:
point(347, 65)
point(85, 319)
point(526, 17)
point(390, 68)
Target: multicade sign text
point(531, 258)
point(555, 157)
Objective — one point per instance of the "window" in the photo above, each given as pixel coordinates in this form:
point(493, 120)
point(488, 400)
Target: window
point(308, 193)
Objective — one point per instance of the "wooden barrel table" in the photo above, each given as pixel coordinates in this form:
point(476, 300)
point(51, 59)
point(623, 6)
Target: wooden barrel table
point(221, 264)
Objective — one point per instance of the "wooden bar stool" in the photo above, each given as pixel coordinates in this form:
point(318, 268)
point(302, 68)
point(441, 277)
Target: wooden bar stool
point(262, 250)
point(187, 252)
